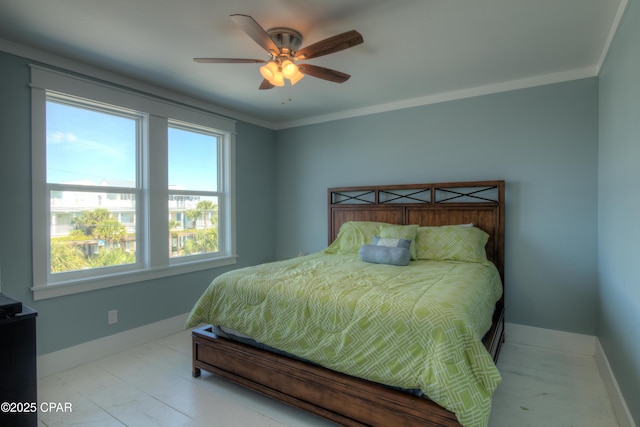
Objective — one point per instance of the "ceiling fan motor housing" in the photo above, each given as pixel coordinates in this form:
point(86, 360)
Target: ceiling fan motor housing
point(287, 39)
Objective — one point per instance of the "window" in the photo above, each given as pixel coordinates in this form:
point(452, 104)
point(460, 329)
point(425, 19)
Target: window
point(193, 190)
point(92, 186)
point(126, 187)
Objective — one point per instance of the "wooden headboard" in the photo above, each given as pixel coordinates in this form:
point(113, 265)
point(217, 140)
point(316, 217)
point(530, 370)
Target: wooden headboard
point(478, 202)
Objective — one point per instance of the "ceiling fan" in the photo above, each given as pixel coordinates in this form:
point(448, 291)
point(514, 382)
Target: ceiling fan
point(282, 45)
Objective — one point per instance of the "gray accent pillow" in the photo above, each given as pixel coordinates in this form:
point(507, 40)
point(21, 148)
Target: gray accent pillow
point(384, 255)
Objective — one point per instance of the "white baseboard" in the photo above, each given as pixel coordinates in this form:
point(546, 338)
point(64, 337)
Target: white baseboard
point(620, 407)
point(547, 338)
point(575, 343)
point(67, 358)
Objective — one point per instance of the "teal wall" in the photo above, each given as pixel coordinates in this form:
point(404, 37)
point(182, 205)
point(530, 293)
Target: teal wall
point(619, 207)
point(542, 141)
point(70, 320)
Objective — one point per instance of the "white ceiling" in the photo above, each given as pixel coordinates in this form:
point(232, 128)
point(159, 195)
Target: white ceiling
point(414, 51)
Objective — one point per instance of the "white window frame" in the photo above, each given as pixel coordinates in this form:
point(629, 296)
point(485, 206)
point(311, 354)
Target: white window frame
point(136, 191)
point(152, 230)
point(222, 178)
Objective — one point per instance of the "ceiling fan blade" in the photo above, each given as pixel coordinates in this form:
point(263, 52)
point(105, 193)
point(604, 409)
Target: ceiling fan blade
point(256, 32)
point(330, 45)
point(266, 85)
point(323, 73)
point(227, 61)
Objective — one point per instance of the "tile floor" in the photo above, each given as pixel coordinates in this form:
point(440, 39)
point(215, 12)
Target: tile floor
point(151, 385)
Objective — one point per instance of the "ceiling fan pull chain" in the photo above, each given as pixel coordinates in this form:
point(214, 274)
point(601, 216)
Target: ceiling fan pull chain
point(289, 97)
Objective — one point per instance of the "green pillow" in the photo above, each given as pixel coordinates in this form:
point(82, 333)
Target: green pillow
point(452, 242)
point(401, 232)
point(352, 235)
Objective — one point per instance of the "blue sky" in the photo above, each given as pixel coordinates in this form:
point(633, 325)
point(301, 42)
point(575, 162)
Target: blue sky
point(192, 160)
point(86, 145)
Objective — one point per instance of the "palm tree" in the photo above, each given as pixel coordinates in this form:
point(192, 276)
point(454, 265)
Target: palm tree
point(87, 221)
point(193, 215)
point(206, 207)
point(111, 231)
point(65, 257)
point(203, 241)
point(202, 210)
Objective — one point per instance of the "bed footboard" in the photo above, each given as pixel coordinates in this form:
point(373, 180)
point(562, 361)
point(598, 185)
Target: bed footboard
point(340, 398)
point(343, 399)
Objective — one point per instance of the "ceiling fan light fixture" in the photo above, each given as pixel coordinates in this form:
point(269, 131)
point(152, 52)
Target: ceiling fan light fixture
point(278, 79)
point(296, 77)
point(289, 68)
point(269, 71)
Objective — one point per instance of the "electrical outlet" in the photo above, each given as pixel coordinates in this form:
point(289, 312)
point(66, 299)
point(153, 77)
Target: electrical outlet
point(112, 316)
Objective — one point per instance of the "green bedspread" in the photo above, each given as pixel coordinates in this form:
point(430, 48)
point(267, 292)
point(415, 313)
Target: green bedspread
point(417, 326)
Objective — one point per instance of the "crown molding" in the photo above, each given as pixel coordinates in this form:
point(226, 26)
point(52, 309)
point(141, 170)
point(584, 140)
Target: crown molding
point(506, 86)
point(612, 32)
point(72, 65)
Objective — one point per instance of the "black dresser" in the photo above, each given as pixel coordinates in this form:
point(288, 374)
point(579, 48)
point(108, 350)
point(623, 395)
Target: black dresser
point(18, 369)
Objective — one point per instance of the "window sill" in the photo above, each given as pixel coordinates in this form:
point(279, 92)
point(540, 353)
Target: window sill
point(91, 284)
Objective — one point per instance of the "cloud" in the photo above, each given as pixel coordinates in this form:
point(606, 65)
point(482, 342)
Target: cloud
point(70, 141)
point(60, 137)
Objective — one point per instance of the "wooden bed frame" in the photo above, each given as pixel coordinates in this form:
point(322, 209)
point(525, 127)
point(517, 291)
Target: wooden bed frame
point(341, 398)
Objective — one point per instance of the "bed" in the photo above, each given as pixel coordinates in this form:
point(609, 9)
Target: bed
point(320, 367)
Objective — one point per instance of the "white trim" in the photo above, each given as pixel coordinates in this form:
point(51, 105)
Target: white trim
point(620, 408)
point(612, 32)
point(547, 79)
point(108, 92)
point(85, 285)
point(100, 73)
point(70, 357)
point(547, 338)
